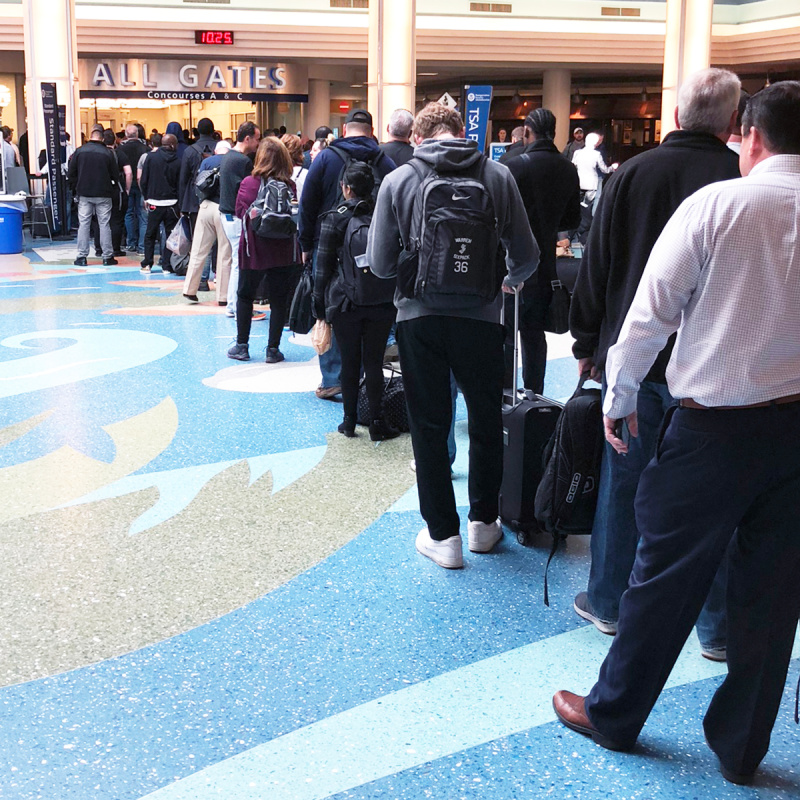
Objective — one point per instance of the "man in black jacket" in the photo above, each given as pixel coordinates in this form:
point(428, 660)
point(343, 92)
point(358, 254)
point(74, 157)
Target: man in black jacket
point(550, 190)
point(94, 177)
point(190, 164)
point(637, 203)
point(321, 192)
point(159, 186)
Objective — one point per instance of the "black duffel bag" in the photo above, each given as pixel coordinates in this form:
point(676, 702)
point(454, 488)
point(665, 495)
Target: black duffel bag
point(393, 405)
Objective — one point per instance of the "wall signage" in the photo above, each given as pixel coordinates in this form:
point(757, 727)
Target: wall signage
point(476, 113)
point(192, 80)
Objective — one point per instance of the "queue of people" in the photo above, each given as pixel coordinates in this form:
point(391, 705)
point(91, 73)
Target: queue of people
point(685, 308)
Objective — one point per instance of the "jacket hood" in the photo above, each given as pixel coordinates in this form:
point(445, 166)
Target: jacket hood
point(360, 147)
point(175, 129)
point(448, 154)
point(167, 155)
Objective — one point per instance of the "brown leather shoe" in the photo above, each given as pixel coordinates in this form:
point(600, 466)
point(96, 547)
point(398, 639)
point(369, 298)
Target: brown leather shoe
point(570, 711)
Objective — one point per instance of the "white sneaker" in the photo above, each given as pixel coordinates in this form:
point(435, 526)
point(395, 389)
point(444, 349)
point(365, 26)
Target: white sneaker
point(483, 536)
point(446, 553)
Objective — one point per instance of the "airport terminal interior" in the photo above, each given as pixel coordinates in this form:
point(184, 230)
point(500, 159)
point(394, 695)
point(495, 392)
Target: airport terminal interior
point(205, 590)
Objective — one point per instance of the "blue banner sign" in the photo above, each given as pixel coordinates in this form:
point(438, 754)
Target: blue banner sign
point(477, 105)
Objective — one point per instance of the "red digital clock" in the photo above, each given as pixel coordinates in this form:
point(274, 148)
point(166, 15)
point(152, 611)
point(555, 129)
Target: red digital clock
point(213, 37)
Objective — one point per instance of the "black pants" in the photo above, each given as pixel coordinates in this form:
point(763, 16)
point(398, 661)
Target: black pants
point(362, 334)
point(117, 224)
point(280, 281)
point(430, 347)
point(726, 480)
point(155, 216)
point(534, 303)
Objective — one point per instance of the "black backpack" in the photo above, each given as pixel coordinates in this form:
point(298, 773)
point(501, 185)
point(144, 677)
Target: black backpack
point(347, 158)
point(360, 285)
point(273, 213)
point(453, 246)
point(207, 184)
point(567, 495)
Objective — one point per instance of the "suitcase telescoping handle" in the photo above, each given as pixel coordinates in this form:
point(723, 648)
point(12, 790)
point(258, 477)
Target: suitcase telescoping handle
point(514, 388)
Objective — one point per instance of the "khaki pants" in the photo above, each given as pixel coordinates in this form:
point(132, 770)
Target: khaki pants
point(207, 231)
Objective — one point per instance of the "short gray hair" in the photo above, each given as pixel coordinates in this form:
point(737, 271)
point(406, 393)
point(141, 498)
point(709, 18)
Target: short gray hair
point(707, 100)
point(131, 131)
point(400, 123)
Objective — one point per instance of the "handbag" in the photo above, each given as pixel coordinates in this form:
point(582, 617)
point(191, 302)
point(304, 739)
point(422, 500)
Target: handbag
point(557, 318)
point(321, 336)
point(393, 403)
point(301, 317)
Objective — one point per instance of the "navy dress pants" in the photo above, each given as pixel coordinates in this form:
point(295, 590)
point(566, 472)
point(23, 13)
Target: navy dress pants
point(721, 480)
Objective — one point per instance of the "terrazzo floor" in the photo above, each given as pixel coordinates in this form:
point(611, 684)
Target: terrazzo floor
point(205, 592)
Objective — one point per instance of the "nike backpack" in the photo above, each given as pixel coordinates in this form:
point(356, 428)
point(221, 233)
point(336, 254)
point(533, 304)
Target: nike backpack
point(453, 246)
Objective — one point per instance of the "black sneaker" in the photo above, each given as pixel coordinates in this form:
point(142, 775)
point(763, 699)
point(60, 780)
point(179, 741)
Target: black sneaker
point(203, 287)
point(380, 430)
point(110, 262)
point(81, 261)
point(192, 297)
point(120, 254)
point(274, 355)
point(240, 352)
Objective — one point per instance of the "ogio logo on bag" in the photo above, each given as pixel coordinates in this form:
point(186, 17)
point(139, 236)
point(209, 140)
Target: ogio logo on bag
point(573, 487)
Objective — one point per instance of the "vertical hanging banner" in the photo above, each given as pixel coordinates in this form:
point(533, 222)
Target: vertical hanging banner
point(52, 140)
point(477, 105)
point(62, 172)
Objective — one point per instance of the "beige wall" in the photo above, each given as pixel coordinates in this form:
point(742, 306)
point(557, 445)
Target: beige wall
point(9, 113)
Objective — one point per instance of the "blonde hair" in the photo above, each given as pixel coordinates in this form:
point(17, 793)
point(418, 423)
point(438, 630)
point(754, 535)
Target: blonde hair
point(273, 160)
point(436, 119)
point(294, 146)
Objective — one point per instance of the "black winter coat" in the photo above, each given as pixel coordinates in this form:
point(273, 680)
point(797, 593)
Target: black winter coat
point(636, 204)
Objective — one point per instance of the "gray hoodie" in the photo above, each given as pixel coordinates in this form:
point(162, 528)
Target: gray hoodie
point(391, 224)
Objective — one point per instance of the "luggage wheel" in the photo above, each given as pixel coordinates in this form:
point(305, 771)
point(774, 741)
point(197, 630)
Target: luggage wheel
point(522, 537)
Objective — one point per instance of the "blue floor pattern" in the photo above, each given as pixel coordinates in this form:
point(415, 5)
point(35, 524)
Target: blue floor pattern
point(373, 674)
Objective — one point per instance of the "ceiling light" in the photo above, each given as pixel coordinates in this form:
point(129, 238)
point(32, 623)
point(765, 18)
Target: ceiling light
point(427, 74)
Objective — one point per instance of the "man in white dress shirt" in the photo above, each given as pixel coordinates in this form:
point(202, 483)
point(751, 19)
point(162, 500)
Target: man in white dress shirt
point(724, 274)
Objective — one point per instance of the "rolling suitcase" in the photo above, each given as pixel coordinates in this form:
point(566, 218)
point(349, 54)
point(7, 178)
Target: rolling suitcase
point(528, 423)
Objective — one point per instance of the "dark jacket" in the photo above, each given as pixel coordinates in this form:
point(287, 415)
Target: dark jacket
point(321, 189)
point(550, 191)
point(175, 129)
point(134, 149)
point(391, 226)
point(400, 152)
point(329, 295)
point(190, 163)
point(512, 151)
point(93, 171)
point(636, 204)
point(160, 175)
point(256, 252)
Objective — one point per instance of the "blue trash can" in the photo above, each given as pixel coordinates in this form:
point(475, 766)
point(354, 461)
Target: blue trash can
point(11, 240)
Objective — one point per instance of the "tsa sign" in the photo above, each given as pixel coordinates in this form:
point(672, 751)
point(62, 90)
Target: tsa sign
point(476, 113)
point(498, 149)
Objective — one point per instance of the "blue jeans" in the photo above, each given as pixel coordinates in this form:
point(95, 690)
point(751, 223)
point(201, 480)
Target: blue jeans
point(330, 363)
point(135, 220)
point(615, 535)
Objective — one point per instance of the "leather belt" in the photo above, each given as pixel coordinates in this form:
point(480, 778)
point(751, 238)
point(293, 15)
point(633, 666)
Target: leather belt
point(687, 402)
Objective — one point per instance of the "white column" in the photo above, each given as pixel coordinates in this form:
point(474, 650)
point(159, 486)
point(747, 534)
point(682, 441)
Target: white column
point(51, 56)
point(318, 110)
point(556, 97)
point(687, 48)
point(392, 65)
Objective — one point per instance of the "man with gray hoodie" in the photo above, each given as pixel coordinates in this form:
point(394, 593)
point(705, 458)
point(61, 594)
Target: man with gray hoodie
point(456, 329)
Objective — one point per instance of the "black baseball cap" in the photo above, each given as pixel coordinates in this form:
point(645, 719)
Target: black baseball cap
point(359, 115)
